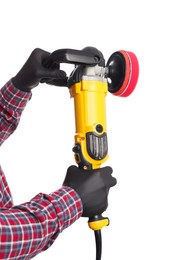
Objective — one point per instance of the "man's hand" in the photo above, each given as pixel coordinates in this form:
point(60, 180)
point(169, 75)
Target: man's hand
point(92, 186)
point(36, 71)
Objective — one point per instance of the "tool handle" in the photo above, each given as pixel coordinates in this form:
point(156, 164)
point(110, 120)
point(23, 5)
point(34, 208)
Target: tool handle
point(77, 57)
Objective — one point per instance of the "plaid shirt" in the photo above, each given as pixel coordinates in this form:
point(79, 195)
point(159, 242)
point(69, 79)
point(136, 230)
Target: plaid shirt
point(32, 227)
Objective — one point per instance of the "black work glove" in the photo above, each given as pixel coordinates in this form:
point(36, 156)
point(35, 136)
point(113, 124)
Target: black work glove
point(92, 186)
point(36, 70)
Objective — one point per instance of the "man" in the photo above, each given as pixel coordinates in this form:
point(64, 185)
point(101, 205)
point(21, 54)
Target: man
point(32, 227)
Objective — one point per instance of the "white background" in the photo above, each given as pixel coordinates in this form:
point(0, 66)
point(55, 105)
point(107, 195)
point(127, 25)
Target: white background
point(36, 156)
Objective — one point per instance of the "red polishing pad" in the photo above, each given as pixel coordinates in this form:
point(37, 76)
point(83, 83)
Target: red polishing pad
point(124, 72)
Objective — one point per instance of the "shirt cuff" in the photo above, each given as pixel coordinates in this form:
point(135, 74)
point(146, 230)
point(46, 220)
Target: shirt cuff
point(13, 98)
point(68, 206)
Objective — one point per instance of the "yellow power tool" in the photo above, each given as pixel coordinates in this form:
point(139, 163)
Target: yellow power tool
point(89, 84)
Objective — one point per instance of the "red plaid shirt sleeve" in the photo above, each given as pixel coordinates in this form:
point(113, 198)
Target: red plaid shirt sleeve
point(32, 227)
point(12, 103)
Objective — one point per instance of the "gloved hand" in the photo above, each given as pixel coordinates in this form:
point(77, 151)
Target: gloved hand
point(36, 70)
point(92, 186)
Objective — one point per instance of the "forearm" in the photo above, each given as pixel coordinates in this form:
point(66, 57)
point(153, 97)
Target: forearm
point(32, 227)
point(12, 103)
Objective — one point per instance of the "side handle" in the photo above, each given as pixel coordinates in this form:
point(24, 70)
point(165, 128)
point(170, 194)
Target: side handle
point(71, 56)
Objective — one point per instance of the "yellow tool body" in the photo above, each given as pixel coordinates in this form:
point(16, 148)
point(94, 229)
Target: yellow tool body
point(91, 148)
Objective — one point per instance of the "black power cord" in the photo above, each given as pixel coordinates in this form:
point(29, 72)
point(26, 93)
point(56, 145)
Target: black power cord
point(96, 223)
point(98, 240)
